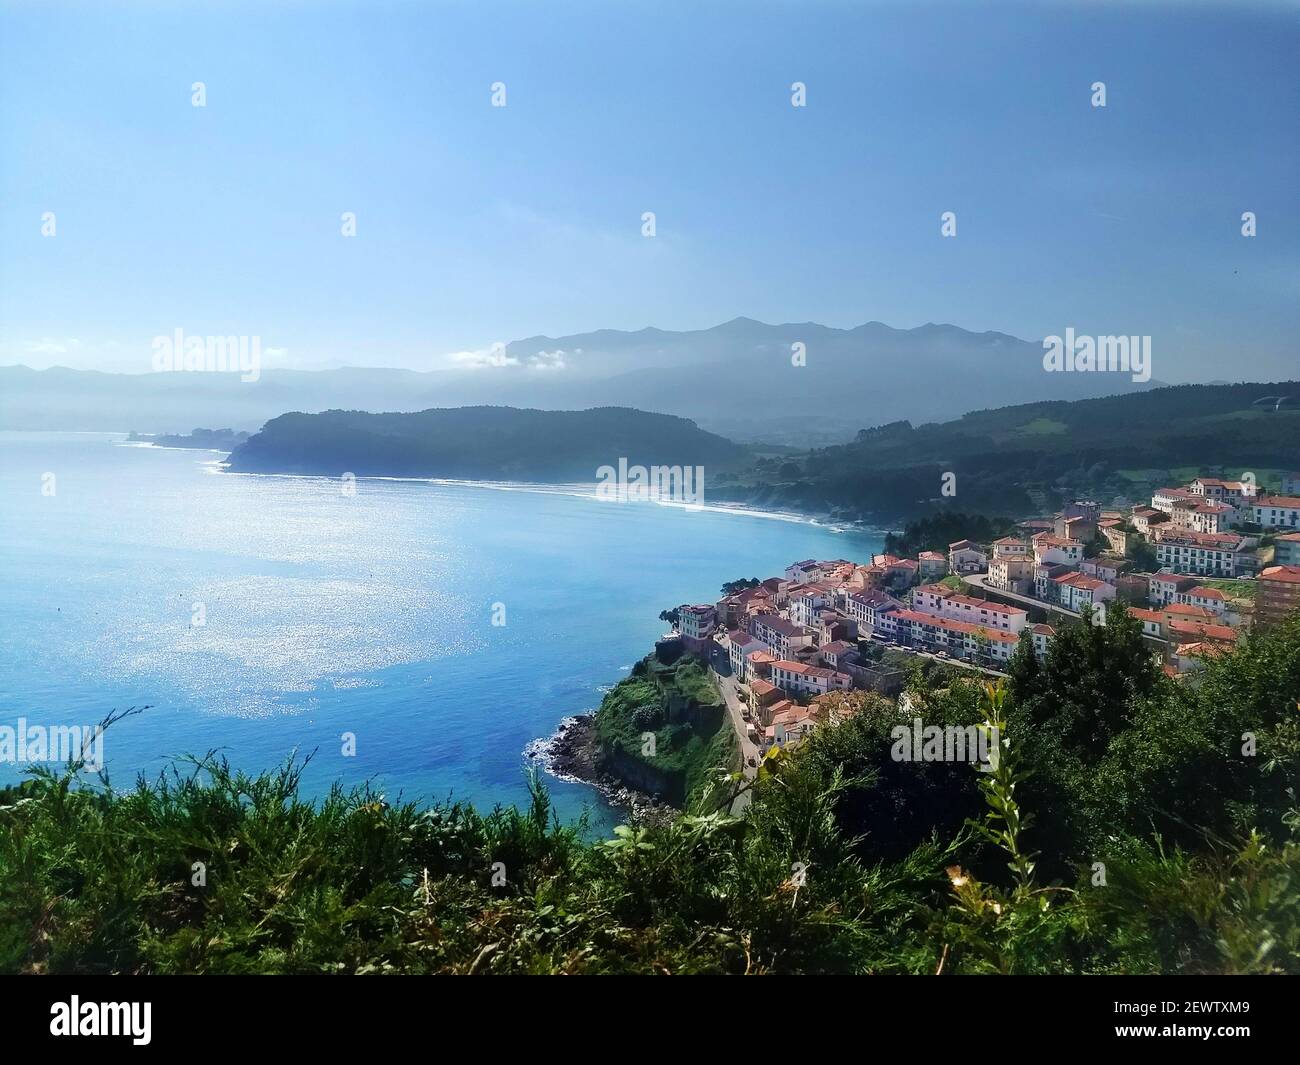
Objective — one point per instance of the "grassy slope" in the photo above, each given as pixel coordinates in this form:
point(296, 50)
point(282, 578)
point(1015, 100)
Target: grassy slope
point(689, 749)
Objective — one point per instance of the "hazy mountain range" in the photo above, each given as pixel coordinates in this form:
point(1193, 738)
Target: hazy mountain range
point(736, 379)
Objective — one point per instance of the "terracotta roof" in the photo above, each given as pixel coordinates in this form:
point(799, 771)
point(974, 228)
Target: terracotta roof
point(1187, 610)
point(1204, 631)
point(1285, 574)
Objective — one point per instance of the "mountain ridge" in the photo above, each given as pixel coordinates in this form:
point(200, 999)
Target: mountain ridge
point(740, 378)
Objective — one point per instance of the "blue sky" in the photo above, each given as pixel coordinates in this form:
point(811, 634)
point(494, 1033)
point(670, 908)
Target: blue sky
point(478, 224)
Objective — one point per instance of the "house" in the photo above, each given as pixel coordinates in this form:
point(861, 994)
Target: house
point(1204, 516)
point(1187, 612)
point(1291, 484)
point(808, 680)
point(1144, 518)
point(739, 644)
point(890, 571)
point(1278, 594)
point(966, 556)
point(942, 601)
point(789, 725)
point(838, 653)
point(1222, 491)
point(1040, 634)
point(961, 639)
point(1077, 590)
point(1286, 549)
point(802, 572)
point(1079, 528)
point(1277, 512)
point(1163, 499)
point(758, 666)
point(1012, 573)
point(1104, 569)
point(1009, 547)
point(864, 607)
point(1209, 599)
point(1207, 554)
point(1163, 588)
point(1033, 526)
point(1086, 509)
point(696, 624)
point(1177, 632)
point(1132, 587)
point(1189, 657)
point(830, 625)
point(1053, 550)
point(763, 695)
point(1152, 621)
point(931, 565)
point(1045, 574)
point(733, 609)
point(781, 637)
point(804, 600)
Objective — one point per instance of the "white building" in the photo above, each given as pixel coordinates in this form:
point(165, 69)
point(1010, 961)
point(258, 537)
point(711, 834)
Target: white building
point(1205, 554)
point(941, 601)
point(795, 677)
point(781, 637)
point(1052, 550)
point(1277, 512)
point(966, 556)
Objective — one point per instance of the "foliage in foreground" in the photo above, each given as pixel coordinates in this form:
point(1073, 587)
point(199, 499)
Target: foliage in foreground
point(842, 862)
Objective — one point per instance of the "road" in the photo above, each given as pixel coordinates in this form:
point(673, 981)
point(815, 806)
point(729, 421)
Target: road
point(736, 711)
point(976, 580)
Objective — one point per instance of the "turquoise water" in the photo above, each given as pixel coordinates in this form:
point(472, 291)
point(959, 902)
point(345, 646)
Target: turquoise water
point(325, 614)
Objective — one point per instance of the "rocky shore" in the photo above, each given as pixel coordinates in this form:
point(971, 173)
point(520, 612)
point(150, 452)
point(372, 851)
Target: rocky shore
point(573, 753)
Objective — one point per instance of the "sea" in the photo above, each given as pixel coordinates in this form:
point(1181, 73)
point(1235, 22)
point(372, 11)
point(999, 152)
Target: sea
point(414, 635)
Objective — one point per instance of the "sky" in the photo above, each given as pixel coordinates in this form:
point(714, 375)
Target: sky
point(479, 224)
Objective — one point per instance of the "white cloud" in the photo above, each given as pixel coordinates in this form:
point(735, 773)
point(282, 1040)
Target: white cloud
point(489, 358)
point(547, 361)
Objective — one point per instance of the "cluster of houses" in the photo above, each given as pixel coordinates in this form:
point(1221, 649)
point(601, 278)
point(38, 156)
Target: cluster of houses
point(794, 641)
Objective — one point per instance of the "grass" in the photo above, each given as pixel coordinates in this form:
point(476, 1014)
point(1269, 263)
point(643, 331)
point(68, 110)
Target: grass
point(1042, 427)
point(1234, 589)
point(210, 871)
point(681, 706)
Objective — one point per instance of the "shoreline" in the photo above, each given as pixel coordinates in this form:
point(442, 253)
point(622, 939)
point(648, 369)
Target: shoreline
point(572, 754)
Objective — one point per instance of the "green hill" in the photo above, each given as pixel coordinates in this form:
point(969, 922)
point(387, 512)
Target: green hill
point(1022, 460)
point(487, 443)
